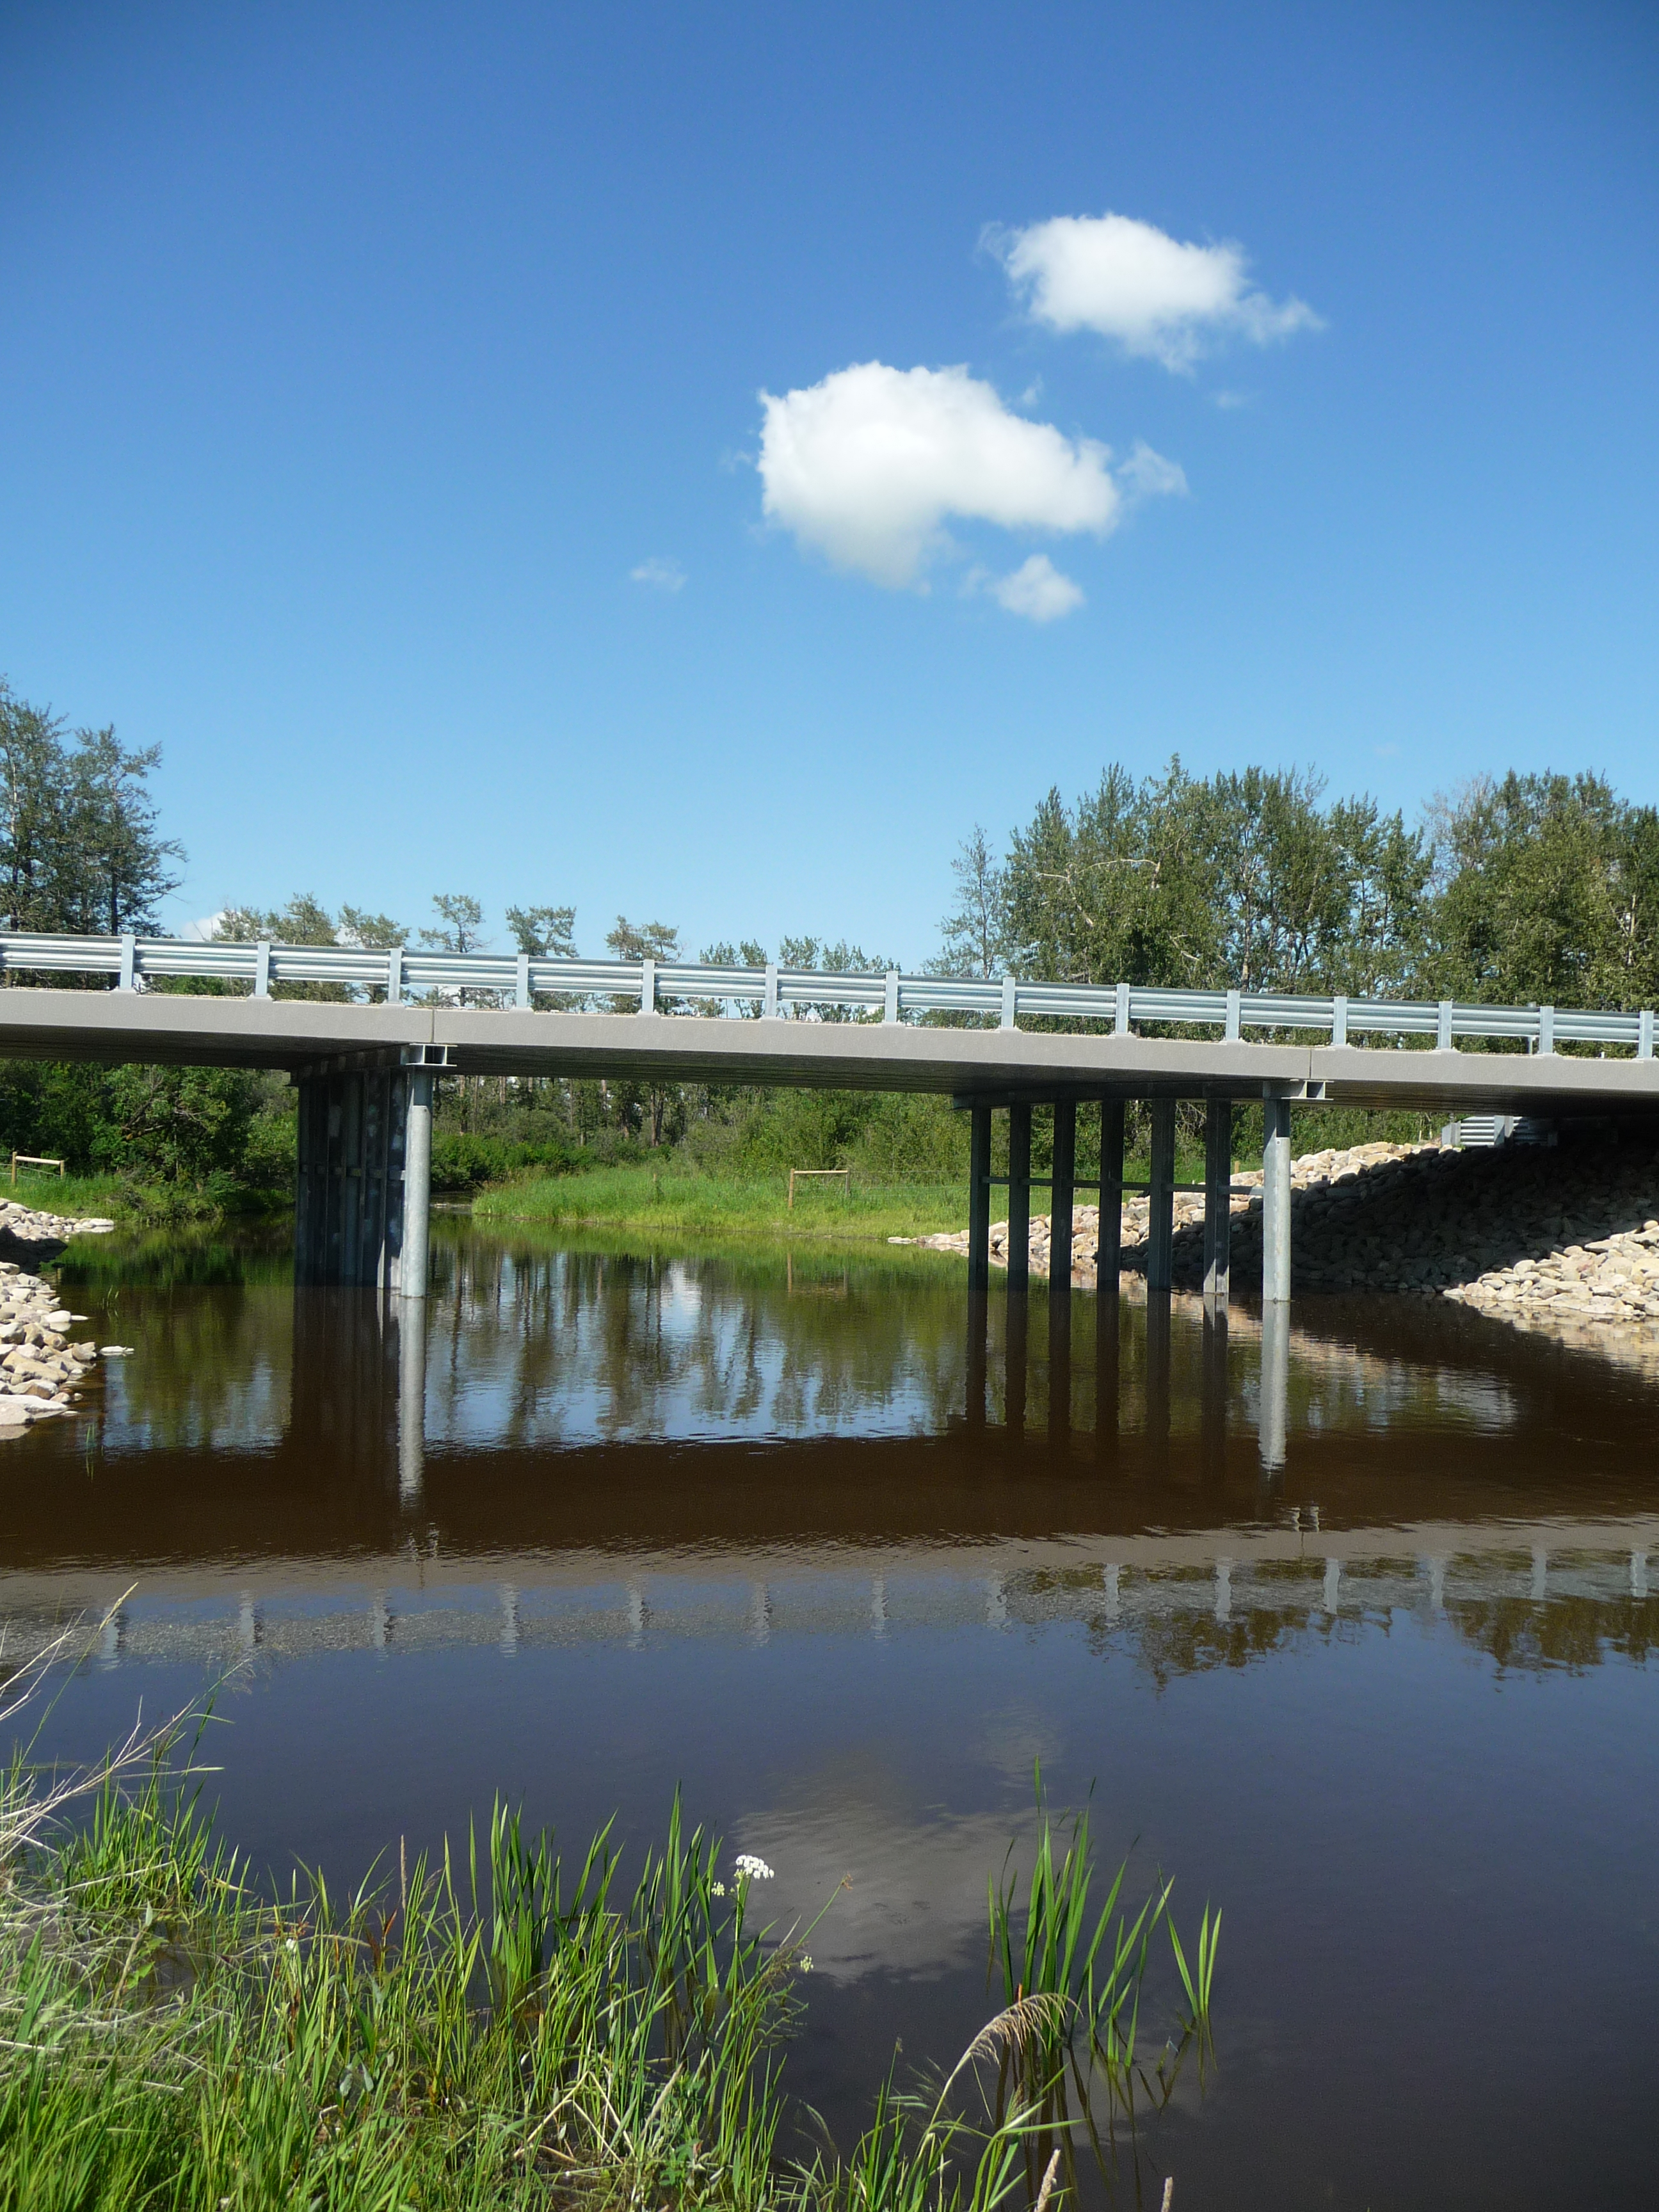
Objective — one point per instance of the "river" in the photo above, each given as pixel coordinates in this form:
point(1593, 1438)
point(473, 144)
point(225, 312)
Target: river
point(1350, 1633)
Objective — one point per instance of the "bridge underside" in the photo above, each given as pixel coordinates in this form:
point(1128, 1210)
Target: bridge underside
point(365, 1075)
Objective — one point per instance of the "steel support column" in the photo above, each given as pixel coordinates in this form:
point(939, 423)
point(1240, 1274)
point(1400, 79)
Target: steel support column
point(1274, 1390)
point(1059, 1269)
point(1059, 1205)
point(1019, 1198)
point(979, 1198)
point(1160, 1227)
point(1109, 1248)
point(1218, 1196)
point(349, 1194)
point(417, 1187)
point(1276, 1200)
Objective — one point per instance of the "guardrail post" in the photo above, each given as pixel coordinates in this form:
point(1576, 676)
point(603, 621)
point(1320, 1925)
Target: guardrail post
point(891, 1012)
point(1160, 1224)
point(129, 963)
point(1546, 1029)
point(1010, 988)
point(1235, 1022)
point(1121, 1010)
point(1019, 1198)
point(648, 985)
point(1644, 1034)
point(769, 1003)
point(522, 993)
point(262, 968)
point(394, 977)
point(1340, 1018)
point(1276, 1199)
point(1443, 1035)
point(1218, 1196)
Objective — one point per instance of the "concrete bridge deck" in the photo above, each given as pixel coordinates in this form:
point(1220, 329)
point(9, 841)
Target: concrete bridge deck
point(997, 1065)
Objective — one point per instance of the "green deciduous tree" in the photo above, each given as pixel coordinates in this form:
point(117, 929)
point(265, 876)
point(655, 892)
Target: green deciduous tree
point(80, 850)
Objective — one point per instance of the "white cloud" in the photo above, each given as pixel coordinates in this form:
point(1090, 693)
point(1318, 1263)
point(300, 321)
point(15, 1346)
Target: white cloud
point(1147, 475)
point(1135, 283)
point(665, 575)
point(203, 929)
point(867, 466)
point(1036, 590)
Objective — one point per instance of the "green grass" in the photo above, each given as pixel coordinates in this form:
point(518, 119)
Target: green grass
point(676, 1199)
point(494, 2028)
point(134, 1205)
point(54, 1193)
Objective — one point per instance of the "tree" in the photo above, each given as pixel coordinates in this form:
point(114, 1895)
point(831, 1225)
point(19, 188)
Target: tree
point(80, 852)
point(545, 933)
point(1547, 892)
point(460, 925)
point(975, 930)
point(643, 940)
point(305, 921)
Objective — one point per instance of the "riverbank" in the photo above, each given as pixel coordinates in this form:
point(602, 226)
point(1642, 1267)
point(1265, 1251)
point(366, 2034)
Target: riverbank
point(732, 1205)
point(1528, 1233)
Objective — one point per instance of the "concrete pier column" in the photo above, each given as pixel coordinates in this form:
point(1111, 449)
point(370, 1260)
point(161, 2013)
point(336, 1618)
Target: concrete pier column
point(1160, 1230)
point(1019, 1198)
point(1218, 1196)
point(979, 1198)
point(417, 1187)
point(1110, 1250)
point(1276, 1200)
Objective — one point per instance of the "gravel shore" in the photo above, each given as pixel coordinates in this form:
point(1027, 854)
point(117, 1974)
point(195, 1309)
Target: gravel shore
point(41, 1366)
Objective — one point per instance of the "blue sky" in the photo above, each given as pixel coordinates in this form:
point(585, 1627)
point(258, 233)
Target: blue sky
point(355, 359)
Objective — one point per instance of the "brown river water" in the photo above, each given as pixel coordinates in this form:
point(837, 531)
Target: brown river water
point(1350, 1632)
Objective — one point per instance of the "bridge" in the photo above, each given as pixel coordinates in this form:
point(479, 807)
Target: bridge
point(365, 1069)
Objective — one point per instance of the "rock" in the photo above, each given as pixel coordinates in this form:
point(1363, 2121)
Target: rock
point(115, 1351)
point(1537, 1238)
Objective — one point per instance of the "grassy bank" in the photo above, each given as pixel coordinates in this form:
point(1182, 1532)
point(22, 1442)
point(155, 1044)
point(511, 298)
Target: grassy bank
point(499, 2028)
point(729, 1205)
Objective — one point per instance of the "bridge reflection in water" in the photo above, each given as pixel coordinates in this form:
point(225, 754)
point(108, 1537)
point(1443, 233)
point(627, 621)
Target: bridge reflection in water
point(579, 1448)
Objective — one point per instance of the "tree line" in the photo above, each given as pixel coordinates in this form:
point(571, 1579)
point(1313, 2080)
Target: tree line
point(1536, 888)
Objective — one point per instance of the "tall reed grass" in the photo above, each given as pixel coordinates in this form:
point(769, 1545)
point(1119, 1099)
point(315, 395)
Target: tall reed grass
point(503, 2028)
point(1069, 2057)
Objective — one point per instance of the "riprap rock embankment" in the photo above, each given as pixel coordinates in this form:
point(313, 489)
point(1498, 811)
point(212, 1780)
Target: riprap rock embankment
point(41, 1365)
point(1566, 1234)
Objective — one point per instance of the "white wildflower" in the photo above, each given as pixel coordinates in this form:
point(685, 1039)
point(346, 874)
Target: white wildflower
point(749, 1865)
point(807, 1962)
point(717, 1889)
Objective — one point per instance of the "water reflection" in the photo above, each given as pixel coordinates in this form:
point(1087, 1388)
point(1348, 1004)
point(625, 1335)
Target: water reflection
point(1347, 1617)
point(558, 1407)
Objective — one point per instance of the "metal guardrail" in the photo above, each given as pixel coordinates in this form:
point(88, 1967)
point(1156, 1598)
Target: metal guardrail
point(519, 980)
